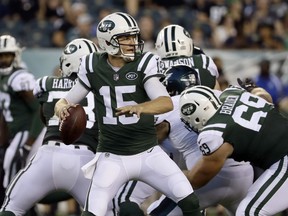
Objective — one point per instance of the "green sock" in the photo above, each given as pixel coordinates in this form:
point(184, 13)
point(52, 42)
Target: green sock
point(190, 205)
point(7, 213)
point(130, 209)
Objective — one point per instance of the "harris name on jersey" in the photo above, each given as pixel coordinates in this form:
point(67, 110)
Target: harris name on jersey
point(63, 83)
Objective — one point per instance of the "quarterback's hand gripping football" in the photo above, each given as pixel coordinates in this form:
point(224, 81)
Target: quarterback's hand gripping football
point(61, 109)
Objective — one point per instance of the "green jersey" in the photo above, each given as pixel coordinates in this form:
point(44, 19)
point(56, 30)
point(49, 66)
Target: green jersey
point(17, 113)
point(257, 131)
point(48, 91)
point(203, 64)
point(122, 135)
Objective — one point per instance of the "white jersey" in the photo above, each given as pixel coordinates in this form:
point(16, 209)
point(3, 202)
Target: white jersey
point(181, 138)
point(228, 187)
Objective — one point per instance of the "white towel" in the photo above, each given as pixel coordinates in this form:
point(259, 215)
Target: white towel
point(88, 169)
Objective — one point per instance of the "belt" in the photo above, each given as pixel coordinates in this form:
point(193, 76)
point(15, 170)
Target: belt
point(57, 143)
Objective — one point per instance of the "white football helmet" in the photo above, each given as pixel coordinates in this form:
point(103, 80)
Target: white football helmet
point(72, 53)
point(174, 41)
point(197, 105)
point(115, 25)
point(8, 44)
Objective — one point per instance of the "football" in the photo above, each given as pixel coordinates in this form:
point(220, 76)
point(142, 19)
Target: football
point(74, 125)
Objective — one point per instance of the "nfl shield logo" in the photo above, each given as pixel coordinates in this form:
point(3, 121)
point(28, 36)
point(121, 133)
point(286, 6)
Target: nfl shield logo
point(116, 77)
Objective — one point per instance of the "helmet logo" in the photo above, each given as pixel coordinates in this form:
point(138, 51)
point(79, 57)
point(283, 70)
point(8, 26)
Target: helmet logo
point(186, 33)
point(131, 76)
point(70, 49)
point(188, 109)
point(106, 25)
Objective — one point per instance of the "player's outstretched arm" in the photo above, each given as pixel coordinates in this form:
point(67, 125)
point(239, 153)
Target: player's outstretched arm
point(262, 93)
point(159, 105)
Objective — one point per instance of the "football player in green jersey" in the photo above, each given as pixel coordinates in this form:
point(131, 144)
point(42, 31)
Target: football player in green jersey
point(175, 47)
point(245, 127)
point(18, 106)
point(126, 84)
point(56, 166)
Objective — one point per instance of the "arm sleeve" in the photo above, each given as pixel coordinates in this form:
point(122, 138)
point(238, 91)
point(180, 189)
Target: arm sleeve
point(77, 93)
point(153, 84)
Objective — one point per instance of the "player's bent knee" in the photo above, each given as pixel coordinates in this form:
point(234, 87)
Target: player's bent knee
point(190, 205)
point(7, 213)
point(130, 209)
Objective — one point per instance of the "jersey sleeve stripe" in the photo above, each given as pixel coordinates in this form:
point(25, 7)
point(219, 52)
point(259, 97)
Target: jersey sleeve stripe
point(204, 61)
point(144, 61)
point(42, 83)
point(219, 125)
point(88, 62)
point(207, 62)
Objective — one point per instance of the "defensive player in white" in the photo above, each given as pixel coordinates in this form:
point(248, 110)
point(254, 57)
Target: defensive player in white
point(126, 84)
point(56, 166)
point(243, 126)
point(230, 185)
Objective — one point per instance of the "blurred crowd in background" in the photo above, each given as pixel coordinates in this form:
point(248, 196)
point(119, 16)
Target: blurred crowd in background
point(213, 24)
point(220, 24)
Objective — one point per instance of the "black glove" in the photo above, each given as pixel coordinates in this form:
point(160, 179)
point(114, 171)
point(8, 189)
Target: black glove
point(23, 154)
point(247, 84)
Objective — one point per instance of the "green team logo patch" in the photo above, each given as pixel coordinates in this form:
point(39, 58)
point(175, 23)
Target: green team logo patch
point(188, 109)
point(131, 76)
point(72, 48)
point(106, 25)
